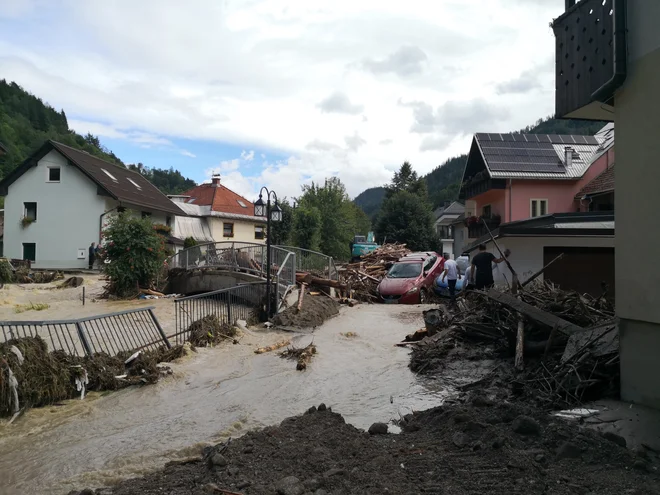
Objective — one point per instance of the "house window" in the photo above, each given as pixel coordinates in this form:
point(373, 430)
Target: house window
point(228, 229)
point(30, 251)
point(168, 221)
point(259, 232)
point(54, 174)
point(135, 184)
point(538, 207)
point(486, 211)
point(109, 175)
point(146, 214)
point(30, 211)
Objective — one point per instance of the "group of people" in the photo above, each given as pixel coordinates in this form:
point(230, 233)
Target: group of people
point(479, 275)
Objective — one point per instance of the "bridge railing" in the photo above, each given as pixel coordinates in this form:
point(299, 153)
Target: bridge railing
point(314, 262)
point(242, 302)
point(248, 257)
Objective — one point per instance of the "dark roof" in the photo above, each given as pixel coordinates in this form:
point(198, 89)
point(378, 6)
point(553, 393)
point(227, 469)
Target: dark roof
point(558, 224)
point(455, 208)
point(602, 183)
point(118, 182)
point(535, 155)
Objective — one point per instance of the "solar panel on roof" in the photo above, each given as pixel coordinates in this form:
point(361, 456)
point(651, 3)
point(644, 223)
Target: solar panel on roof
point(591, 140)
point(580, 140)
point(519, 138)
point(494, 137)
point(543, 138)
point(554, 138)
point(507, 137)
point(532, 138)
point(482, 136)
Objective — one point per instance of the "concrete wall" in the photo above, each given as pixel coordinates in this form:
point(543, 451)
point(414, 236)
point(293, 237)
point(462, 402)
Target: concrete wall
point(527, 253)
point(243, 230)
point(68, 215)
point(637, 106)
point(196, 282)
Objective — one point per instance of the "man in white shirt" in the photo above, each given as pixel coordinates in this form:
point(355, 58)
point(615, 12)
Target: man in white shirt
point(452, 273)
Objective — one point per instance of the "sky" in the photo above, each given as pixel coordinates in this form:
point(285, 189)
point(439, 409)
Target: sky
point(280, 93)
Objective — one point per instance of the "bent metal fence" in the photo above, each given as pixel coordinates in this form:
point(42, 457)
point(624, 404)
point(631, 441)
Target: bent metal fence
point(313, 262)
point(228, 305)
point(109, 333)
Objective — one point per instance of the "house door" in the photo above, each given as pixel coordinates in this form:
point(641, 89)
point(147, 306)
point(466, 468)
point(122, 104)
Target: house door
point(29, 251)
point(583, 269)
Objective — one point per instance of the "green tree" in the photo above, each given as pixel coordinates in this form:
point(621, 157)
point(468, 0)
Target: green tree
point(405, 217)
point(282, 232)
point(136, 254)
point(406, 179)
point(307, 227)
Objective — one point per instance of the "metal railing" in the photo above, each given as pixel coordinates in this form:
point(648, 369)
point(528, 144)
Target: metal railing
point(313, 262)
point(228, 305)
point(124, 331)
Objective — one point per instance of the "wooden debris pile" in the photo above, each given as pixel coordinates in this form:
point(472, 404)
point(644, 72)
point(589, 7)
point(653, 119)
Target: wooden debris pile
point(363, 278)
point(565, 344)
point(303, 355)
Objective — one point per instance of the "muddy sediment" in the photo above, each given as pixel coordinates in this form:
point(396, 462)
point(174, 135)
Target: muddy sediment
point(314, 311)
point(475, 448)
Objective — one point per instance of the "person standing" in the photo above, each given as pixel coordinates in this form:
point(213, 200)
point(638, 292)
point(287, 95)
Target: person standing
point(92, 255)
point(483, 263)
point(452, 273)
point(468, 282)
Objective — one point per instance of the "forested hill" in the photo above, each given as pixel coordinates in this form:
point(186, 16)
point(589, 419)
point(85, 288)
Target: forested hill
point(26, 122)
point(443, 182)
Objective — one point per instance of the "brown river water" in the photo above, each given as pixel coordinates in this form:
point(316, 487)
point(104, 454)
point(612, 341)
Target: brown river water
point(214, 394)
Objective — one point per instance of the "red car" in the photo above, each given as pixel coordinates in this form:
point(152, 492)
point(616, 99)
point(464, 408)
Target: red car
point(410, 280)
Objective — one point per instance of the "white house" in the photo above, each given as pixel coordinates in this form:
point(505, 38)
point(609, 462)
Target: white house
point(445, 218)
point(58, 201)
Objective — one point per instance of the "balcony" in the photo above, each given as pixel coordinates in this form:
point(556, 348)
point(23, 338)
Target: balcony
point(476, 227)
point(590, 40)
point(480, 184)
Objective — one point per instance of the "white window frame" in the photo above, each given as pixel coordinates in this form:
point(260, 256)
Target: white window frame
point(232, 229)
point(109, 175)
point(48, 169)
point(134, 183)
point(538, 206)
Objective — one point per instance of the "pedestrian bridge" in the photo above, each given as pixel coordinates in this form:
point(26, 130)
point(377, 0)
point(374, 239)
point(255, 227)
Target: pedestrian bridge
point(220, 265)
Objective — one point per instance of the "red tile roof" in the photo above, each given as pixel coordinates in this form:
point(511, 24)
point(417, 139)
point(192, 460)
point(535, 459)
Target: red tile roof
point(220, 199)
point(603, 182)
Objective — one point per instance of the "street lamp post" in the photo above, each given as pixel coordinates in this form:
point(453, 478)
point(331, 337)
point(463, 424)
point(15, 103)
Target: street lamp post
point(273, 213)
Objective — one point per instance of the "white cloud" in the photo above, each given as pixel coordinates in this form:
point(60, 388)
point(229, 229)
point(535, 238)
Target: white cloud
point(247, 155)
point(338, 102)
point(151, 72)
point(188, 154)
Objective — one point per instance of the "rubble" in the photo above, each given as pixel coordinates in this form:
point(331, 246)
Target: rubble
point(363, 278)
point(567, 353)
point(303, 355)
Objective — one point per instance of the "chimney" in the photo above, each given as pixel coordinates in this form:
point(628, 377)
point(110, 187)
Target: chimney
point(215, 180)
point(569, 156)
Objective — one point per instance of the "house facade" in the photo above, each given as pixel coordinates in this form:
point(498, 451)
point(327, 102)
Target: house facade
point(230, 217)
point(445, 219)
point(514, 177)
point(620, 51)
point(59, 200)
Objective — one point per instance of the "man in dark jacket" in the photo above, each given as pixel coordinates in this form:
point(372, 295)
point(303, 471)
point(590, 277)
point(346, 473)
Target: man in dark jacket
point(92, 255)
point(482, 262)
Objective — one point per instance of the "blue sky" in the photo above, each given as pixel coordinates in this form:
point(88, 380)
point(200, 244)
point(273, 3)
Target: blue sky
point(282, 92)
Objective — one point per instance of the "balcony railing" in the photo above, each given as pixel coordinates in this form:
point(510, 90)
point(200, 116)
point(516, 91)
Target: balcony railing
point(475, 187)
point(477, 228)
point(590, 64)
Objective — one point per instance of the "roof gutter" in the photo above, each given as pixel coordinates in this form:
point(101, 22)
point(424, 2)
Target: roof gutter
point(606, 91)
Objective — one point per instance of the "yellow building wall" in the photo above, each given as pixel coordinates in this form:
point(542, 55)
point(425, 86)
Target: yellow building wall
point(244, 230)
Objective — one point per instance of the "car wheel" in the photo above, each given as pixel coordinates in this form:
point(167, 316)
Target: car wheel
point(423, 297)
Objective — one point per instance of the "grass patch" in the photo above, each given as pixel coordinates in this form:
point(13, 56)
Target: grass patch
point(22, 308)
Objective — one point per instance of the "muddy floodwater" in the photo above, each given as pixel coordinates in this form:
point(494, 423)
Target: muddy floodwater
point(215, 394)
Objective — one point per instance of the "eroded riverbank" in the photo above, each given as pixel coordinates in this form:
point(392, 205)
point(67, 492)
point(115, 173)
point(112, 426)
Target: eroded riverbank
point(215, 394)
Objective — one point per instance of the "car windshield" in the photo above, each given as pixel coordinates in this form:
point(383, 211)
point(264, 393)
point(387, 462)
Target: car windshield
point(405, 270)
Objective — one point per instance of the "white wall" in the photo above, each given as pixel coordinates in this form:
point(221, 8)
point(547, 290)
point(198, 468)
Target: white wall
point(243, 230)
point(68, 215)
point(527, 253)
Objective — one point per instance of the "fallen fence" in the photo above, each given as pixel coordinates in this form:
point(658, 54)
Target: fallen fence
point(228, 305)
point(124, 331)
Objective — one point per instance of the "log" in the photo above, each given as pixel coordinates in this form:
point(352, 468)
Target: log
point(540, 272)
point(302, 277)
point(324, 282)
point(520, 344)
point(533, 313)
point(300, 296)
point(150, 292)
point(278, 345)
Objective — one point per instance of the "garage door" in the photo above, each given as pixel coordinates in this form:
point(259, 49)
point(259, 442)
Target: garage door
point(583, 269)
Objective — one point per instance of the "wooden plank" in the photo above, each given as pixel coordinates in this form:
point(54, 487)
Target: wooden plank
point(533, 313)
point(537, 274)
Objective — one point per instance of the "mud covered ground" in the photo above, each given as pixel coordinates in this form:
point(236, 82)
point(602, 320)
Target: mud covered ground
point(474, 448)
point(315, 310)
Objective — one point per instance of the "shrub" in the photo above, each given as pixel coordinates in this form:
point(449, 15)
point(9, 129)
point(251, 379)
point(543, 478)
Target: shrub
point(6, 273)
point(136, 254)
